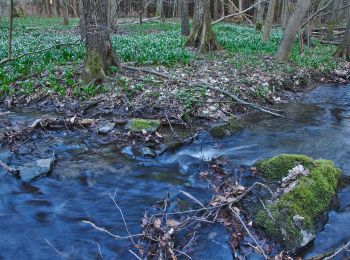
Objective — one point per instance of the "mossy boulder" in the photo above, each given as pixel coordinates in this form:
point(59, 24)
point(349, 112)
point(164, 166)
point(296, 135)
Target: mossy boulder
point(277, 167)
point(291, 219)
point(138, 125)
point(226, 129)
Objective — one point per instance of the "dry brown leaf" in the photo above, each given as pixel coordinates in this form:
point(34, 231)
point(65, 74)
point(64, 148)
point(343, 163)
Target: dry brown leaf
point(157, 223)
point(172, 223)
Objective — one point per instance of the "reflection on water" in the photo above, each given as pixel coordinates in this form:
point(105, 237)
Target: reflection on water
point(51, 210)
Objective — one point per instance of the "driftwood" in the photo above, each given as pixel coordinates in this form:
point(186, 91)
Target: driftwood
point(217, 89)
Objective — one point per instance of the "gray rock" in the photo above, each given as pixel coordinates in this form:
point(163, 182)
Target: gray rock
point(106, 128)
point(35, 170)
point(147, 152)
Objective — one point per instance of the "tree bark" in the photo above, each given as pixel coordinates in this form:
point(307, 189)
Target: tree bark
point(9, 43)
point(58, 6)
point(269, 20)
point(343, 50)
point(292, 28)
point(100, 55)
point(160, 10)
point(259, 15)
point(202, 36)
point(49, 11)
point(185, 23)
point(285, 14)
point(65, 13)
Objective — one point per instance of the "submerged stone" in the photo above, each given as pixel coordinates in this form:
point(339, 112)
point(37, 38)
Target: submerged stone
point(138, 125)
point(226, 129)
point(106, 128)
point(291, 217)
point(35, 170)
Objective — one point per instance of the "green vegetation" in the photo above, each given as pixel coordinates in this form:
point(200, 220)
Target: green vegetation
point(308, 200)
point(147, 44)
point(138, 125)
point(277, 167)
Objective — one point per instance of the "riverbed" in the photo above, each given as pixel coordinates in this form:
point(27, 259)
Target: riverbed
point(44, 219)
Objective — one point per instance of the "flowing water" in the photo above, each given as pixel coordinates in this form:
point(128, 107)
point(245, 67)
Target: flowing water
point(43, 220)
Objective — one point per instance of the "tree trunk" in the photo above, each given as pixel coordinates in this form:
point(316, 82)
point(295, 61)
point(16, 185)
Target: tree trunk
point(58, 6)
point(343, 50)
point(185, 23)
point(160, 10)
point(100, 55)
point(65, 13)
point(285, 14)
point(260, 16)
point(49, 11)
point(240, 9)
point(292, 28)
point(202, 35)
point(9, 52)
point(216, 9)
point(269, 20)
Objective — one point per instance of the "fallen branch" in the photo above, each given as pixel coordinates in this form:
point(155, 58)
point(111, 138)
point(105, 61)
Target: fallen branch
point(9, 169)
point(222, 91)
point(2, 62)
point(237, 14)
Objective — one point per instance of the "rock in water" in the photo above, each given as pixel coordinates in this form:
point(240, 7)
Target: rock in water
point(139, 125)
point(290, 218)
point(106, 128)
point(35, 170)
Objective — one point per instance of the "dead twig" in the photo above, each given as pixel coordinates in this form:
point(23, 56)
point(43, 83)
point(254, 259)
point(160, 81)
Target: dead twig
point(338, 251)
point(217, 89)
point(9, 169)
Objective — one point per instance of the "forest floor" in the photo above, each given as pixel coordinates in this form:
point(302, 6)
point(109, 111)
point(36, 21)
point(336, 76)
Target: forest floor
point(50, 80)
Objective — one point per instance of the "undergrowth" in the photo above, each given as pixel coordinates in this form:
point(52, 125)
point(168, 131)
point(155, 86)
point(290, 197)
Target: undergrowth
point(147, 44)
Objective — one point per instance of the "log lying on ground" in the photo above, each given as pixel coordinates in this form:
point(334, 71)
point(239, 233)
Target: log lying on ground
point(305, 193)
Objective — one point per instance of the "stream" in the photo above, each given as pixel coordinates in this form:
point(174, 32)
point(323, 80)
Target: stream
point(43, 219)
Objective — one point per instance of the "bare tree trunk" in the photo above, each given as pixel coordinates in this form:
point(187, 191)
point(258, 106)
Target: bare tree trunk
point(49, 11)
point(240, 9)
point(285, 14)
point(100, 55)
point(58, 6)
point(260, 16)
point(269, 20)
point(216, 9)
point(343, 50)
point(160, 10)
point(292, 28)
point(9, 52)
point(65, 13)
point(185, 22)
point(202, 36)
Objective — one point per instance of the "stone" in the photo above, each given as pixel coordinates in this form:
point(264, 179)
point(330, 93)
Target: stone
point(292, 216)
point(139, 125)
point(34, 170)
point(147, 152)
point(225, 129)
point(106, 128)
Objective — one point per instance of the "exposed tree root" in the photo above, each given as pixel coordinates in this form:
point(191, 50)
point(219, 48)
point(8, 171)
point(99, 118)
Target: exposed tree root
point(217, 89)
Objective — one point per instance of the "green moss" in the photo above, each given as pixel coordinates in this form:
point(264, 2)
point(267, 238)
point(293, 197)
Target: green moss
point(309, 199)
point(226, 129)
point(278, 166)
point(138, 125)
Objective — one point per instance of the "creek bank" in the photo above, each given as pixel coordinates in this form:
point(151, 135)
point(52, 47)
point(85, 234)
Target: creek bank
point(305, 192)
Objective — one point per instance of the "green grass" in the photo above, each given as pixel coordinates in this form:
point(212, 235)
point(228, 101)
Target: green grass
point(149, 44)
